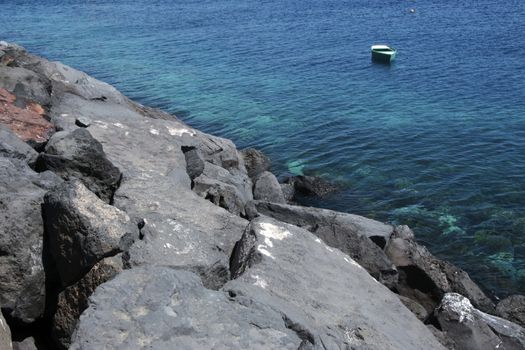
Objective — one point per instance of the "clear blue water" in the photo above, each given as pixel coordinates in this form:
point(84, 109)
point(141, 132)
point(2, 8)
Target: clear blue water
point(435, 141)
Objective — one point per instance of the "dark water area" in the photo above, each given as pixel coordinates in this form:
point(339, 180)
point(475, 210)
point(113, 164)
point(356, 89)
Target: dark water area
point(435, 141)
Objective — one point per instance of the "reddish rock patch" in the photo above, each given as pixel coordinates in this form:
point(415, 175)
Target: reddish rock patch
point(28, 123)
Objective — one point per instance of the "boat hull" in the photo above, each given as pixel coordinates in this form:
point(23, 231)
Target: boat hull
point(381, 57)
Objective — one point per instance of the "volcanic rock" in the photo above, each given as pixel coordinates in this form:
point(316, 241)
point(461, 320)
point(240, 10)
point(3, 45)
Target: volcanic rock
point(5, 334)
point(311, 185)
point(22, 278)
point(83, 230)
point(472, 329)
point(267, 188)
point(27, 123)
point(256, 162)
point(11, 146)
point(73, 300)
point(513, 309)
point(163, 308)
point(425, 279)
point(78, 155)
point(320, 291)
point(352, 234)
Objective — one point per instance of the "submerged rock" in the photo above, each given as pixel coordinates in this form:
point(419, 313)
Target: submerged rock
point(256, 162)
point(311, 185)
point(163, 308)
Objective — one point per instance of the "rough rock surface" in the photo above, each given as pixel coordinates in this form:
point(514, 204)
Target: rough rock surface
point(22, 275)
point(472, 329)
point(27, 123)
point(425, 279)
point(181, 193)
point(311, 185)
point(513, 309)
point(83, 230)
point(11, 146)
point(73, 300)
point(5, 334)
point(163, 308)
point(267, 188)
point(352, 234)
point(321, 291)
point(26, 344)
point(256, 162)
point(78, 155)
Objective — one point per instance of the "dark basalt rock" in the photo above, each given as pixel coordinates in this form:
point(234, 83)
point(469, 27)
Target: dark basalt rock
point(425, 279)
point(83, 122)
point(83, 230)
point(194, 161)
point(78, 155)
point(472, 329)
point(162, 308)
point(22, 277)
point(11, 146)
point(267, 188)
point(255, 161)
point(73, 300)
point(311, 185)
point(352, 234)
point(513, 309)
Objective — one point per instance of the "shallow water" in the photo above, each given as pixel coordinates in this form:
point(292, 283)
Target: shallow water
point(435, 141)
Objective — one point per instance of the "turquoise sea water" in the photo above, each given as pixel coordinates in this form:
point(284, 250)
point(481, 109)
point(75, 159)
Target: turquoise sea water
point(435, 141)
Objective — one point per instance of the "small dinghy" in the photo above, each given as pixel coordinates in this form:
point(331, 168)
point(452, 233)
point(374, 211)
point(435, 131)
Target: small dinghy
point(383, 53)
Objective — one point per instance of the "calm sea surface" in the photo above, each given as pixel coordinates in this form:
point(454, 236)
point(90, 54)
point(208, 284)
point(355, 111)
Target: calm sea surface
point(435, 141)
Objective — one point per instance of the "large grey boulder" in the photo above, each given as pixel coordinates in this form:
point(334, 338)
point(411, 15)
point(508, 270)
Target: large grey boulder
point(425, 279)
point(256, 162)
point(168, 242)
point(472, 329)
point(323, 294)
point(5, 334)
point(513, 309)
point(267, 188)
point(163, 308)
point(83, 230)
point(11, 146)
point(78, 155)
point(352, 234)
point(22, 277)
point(73, 300)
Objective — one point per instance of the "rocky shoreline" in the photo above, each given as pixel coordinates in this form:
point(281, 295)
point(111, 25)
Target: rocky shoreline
point(124, 228)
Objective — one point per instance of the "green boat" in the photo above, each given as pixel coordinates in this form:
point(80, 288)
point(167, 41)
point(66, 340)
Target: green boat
point(383, 53)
